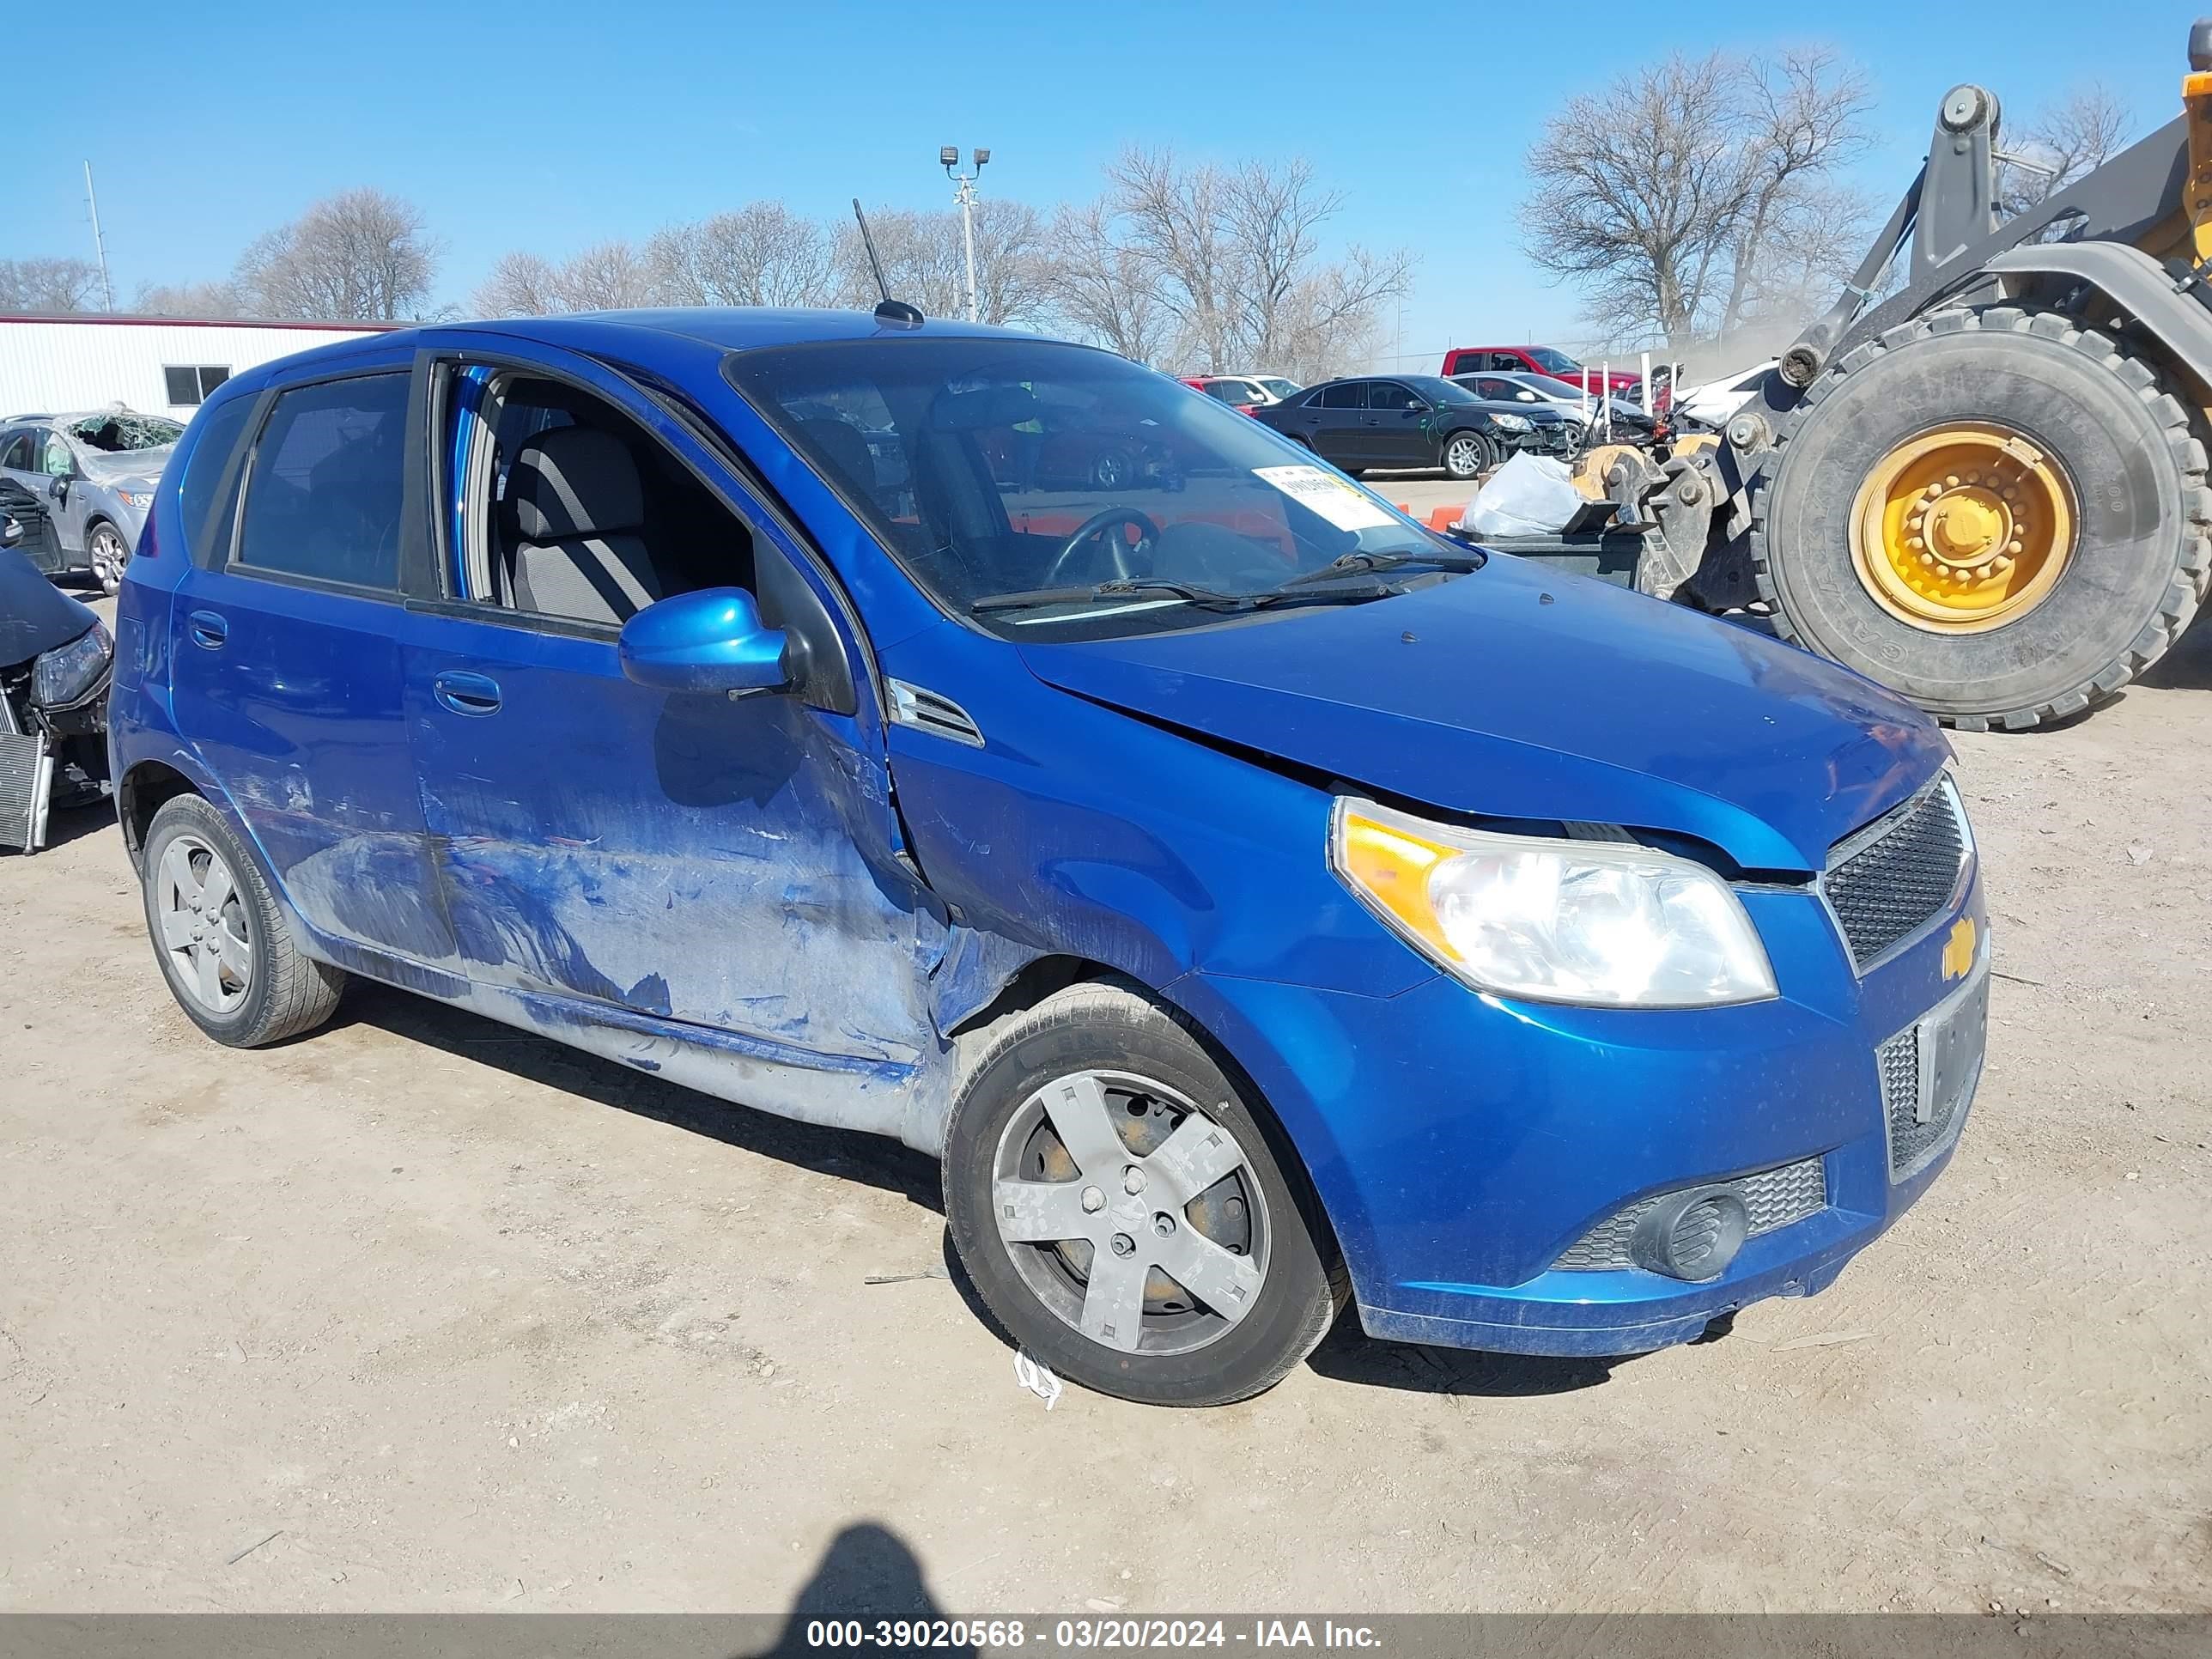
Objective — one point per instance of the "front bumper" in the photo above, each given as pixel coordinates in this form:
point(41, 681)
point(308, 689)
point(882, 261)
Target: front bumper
point(1460, 1144)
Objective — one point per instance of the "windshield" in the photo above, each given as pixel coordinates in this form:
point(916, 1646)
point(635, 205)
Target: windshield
point(1006, 467)
point(1280, 388)
point(119, 431)
point(1558, 391)
point(1554, 362)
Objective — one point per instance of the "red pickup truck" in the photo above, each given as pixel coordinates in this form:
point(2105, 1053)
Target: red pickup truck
point(1537, 360)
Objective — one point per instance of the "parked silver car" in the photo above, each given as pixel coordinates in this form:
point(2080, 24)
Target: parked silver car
point(94, 476)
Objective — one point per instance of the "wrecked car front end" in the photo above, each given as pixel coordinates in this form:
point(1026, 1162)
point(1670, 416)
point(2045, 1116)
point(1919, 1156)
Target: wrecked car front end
point(56, 659)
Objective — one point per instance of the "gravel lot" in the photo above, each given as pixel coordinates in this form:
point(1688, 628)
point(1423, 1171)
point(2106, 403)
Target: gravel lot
point(421, 1314)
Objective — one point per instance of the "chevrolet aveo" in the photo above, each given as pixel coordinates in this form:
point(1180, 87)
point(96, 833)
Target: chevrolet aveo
point(1258, 903)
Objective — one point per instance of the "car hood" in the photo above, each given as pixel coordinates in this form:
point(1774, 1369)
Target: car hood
point(130, 468)
point(35, 616)
point(1517, 691)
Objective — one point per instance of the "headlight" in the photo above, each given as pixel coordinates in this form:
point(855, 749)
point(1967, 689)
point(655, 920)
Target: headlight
point(1608, 924)
point(138, 499)
point(65, 674)
point(1510, 422)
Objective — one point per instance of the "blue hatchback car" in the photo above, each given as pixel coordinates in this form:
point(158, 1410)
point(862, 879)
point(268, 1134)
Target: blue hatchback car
point(1256, 901)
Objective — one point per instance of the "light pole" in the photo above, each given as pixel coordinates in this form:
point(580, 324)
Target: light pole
point(949, 158)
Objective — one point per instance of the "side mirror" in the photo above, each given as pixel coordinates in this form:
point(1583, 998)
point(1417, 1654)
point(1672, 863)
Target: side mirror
point(11, 531)
point(705, 642)
point(1416, 407)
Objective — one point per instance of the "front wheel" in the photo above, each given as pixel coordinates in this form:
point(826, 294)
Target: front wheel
point(105, 550)
point(1468, 455)
point(1124, 1214)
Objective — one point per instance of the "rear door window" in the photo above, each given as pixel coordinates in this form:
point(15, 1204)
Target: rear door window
point(1353, 394)
point(326, 488)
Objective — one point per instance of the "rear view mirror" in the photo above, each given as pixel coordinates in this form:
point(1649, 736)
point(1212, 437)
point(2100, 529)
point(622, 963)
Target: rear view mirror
point(706, 642)
point(987, 406)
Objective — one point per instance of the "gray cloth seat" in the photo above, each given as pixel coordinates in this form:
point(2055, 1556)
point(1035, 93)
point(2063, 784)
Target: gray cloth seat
point(577, 508)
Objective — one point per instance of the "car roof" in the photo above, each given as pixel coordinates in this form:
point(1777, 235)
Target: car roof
point(739, 328)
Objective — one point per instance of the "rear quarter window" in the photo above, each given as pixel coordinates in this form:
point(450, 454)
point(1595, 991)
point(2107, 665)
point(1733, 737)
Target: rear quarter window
point(207, 463)
point(324, 496)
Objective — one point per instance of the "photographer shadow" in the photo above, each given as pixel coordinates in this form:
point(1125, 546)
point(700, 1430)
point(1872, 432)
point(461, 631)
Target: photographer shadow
point(867, 1573)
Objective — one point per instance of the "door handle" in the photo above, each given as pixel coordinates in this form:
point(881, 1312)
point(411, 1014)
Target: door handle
point(466, 693)
point(208, 630)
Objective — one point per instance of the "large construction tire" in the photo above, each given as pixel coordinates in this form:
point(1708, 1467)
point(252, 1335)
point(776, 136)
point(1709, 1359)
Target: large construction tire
point(1997, 512)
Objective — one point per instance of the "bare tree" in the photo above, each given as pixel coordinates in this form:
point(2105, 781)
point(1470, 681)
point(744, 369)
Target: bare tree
point(1230, 256)
point(520, 285)
point(763, 254)
point(360, 256)
point(1103, 288)
point(48, 285)
point(216, 299)
point(2077, 135)
point(1664, 195)
point(1805, 120)
point(609, 275)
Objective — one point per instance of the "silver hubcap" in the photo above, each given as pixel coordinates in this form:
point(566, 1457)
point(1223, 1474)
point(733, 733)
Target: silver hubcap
point(203, 925)
point(1134, 1216)
point(1110, 471)
point(1464, 456)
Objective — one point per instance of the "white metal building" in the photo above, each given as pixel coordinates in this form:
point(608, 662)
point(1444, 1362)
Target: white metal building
point(156, 365)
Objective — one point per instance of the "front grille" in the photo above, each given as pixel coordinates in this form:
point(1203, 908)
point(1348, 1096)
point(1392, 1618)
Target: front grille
point(1897, 876)
point(1774, 1198)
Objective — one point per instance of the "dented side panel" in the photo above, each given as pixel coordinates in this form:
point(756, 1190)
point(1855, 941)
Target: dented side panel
point(724, 864)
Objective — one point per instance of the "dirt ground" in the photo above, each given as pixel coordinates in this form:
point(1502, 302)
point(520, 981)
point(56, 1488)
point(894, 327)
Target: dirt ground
point(420, 1314)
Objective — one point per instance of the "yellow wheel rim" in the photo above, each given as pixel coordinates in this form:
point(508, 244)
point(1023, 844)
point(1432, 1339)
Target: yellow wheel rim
point(1963, 528)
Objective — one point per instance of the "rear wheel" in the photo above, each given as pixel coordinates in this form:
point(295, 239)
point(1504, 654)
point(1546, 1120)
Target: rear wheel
point(224, 946)
point(1995, 512)
point(1125, 1215)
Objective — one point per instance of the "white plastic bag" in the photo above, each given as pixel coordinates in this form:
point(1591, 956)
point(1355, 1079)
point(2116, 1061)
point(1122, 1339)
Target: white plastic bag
point(1530, 495)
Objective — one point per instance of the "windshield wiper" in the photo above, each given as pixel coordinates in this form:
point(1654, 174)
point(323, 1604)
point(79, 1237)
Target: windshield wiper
point(1137, 587)
point(1350, 563)
point(1141, 587)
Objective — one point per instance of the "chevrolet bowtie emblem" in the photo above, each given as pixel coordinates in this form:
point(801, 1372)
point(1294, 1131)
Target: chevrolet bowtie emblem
point(1958, 948)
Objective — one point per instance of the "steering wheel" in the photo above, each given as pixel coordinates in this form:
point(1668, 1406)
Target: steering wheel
point(1148, 532)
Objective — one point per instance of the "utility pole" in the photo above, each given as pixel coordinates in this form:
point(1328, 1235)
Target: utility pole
point(949, 159)
point(99, 246)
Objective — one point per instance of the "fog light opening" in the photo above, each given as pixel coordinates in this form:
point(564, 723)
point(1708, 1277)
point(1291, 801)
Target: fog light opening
point(1691, 1235)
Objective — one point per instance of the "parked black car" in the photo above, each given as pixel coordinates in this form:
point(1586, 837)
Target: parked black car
point(1403, 421)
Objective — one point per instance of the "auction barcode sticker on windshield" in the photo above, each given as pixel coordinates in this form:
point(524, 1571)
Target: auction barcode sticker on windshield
point(1343, 503)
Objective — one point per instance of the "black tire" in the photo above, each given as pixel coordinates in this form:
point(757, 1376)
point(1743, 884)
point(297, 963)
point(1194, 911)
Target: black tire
point(1112, 1026)
point(288, 992)
point(1480, 455)
point(2142, 554)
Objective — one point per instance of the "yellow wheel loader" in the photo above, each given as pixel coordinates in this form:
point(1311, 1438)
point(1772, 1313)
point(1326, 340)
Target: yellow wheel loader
point(1988, 489)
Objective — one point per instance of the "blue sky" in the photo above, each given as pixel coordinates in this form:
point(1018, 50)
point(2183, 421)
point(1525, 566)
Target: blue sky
point(554, 124)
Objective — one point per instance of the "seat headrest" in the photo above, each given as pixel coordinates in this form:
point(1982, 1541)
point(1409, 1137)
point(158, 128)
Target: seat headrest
point(574, 481)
